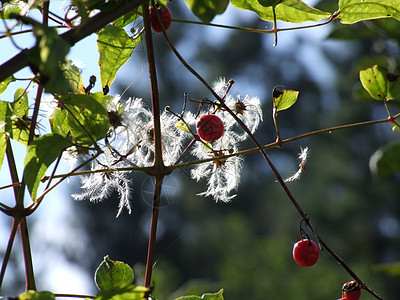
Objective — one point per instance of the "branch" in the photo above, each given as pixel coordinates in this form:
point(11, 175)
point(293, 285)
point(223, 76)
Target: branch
point(72, 36)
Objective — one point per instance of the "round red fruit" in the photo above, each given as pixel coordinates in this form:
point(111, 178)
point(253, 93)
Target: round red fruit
point(210, 128)
point(351, 290)
point(165, 16)
point(305, 252)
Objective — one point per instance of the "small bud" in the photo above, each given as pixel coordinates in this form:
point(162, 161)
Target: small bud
point(92, 79)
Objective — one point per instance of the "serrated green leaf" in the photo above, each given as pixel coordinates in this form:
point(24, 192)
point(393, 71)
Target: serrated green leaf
point(133, 292)
point(286, 99)
point(293, 11)
point(41, 153)
point(386, 160)
point(392, 269)
point(182, 126)
point(84, 120)
point(206, 10)
point(207, 296)
point(115, 48)
point(4, 83)
point(34, 295)
point(113, 275)
point(352, 11)
point(374, 80)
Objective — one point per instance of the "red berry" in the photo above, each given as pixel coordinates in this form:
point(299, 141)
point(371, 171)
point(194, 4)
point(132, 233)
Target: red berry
point(165, 16)
point(305, 252)
point(351, 290)
point(210, 128)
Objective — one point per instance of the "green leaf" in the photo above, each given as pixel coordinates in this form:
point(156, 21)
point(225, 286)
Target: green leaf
point(14, 117)
point(49, 52)
point(380, 84)
point(386, 160)
point(34, 295)
point(208, 146)
point(19, 119)
point(392, 269)
point(47, 57)
point(41, 153)
point(115, 48)
point(352, 11)
point(183, 126)
point(3, 146)
point(8, 9)
point(4, 83)
point(133, 292)
point(84, 120)
point(73, 79)
point(113, 275)
point(207, 296)
point(286, 99)
point(393, 86)
point(293, 11)
point(104, 100)
point(127, 18)
point(206, 10)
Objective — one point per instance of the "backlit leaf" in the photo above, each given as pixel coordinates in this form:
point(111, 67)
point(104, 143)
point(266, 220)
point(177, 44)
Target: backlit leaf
point(14, 117)
point(113, 275)
point(380, 84)
point(73, 78)
point(352, 11)
point(293, 11)
point(42, 152)
point(115, 48)
point(182, 126)
point(133, 292)
point(4, 83)
point(3, 145)
point(126, 19)
point(207, 296)
point(85, 119)
point(34, 295)
point(286, 99)
point(8, 9)
point(386, 160)
point(206, 10)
